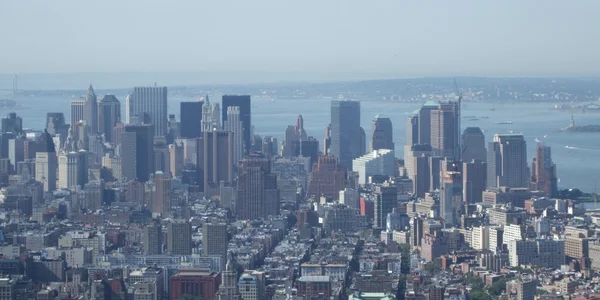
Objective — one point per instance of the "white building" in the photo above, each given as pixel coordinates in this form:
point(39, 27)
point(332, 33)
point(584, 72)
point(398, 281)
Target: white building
point(480, 239)
point(512, 232)
point(378, 162)
point(235, 125)
point(148, 102)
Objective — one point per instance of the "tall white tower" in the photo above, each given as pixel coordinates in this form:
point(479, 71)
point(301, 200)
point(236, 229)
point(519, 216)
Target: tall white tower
point(235, 125)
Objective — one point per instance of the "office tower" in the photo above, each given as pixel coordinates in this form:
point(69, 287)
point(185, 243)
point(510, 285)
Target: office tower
point(350, 197)
point(294, 134)
point(543, 171)
point(153, 238)
point(435, 172)
point(363, 141)
point(444, 130)
point(191, 119)
point(421, 177)
point(327, 140)
point(416, 229)
point(507, 161)
point(474, 181)
point(93, 195)
point(77, 111)
point(451, 198)
point(216, 160)
point(150, 102)
point(228, 290)
point(424, 120)
point(95, 147)
point(258, 196)
point(179, 237)
point(215, 239)
point(411, 153)
point(12, 124)
point(382, 135)
point(386, 199)
point(109, 113)
point(4, 138)
point(244, 104)
point(412, 129)
point(252, 285)
point(143, 151)
point(234, 124)
point(378, 162)
point(346, 131)
point(161, 194)
point(162, 158)
point(473, 145)
point(90, 110)
point(522, 289)
point(327, 178)
point(128, 153)
point(210, 116)
point(56, 125)
point(270, 146)
point(307, 148)
point(68, 170)
point(46, 162)
point(176, 158)
point(16, 150)
point(173, 129)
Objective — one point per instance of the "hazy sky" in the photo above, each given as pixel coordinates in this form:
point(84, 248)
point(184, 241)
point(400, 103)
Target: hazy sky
point(397, 37)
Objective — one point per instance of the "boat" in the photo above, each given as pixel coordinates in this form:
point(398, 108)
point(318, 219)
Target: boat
point(504, 122)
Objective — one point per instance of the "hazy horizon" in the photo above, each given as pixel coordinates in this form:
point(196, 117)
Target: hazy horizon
point(265, 40)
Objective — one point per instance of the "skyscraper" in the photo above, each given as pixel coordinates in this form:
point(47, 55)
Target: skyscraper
point(176, 158)
point(228, 290)
point(294, 134)
point(474, 181)
point(235, 125)
point(507, 161)
point(543, 171)
point(179, 237)
point(56, 125)
point(150, 102)
point(444, 130)
point(382, 135)
point(215, 239)
point(46, 162)
point(109, 113)
point(424, 119)
point(385, 201)
point(346, 131)
point(327, 178)
point(128, 154)
point(77, 112)
point(451, 198)
point(258, 196)
point(72, 169)
point(90, 110)
point(412, 129)
point(210, 116)
point(191, 119)
point(244, 104)
point(144, 154)
point(215, 157)
point(473, 145)
point(152, 238)
point(161, 194)
point(12, 124)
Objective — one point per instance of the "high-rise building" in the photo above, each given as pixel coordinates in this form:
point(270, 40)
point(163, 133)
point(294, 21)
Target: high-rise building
point(161, 194)
point(196, 282)
point(327, 141)
point(451, 198)
point(543, 171)
point(521, 289)
point(46, 162)
point(294, 134)
point(72, 169)
point(350, 197)
point(228, 290)
point(346, 131)
point(16, 150)
point(412, 129)
point(210, 116)
point(191, 119)
point(245, 105)
point(378, 162)
point(77, 112)
point(93, 192)
point(474, 181)
point(424, 120)
point(215, 239)
point(149, 102)
point(215, 158)
point(327, 178)
point(258, 195)
point(179, 237)
point(444, 130)
point(507, 161)
point(144, 154)
point(90, 110)
point(152, 239)
point(234, 124)
point(473, 145)
point(386, 199)
point(128, 153)
point(56, 125)
point(307, 148)
point(382, 135)
point(12, 124)
point(109, 113)
point(413, 152)
point(176, 158)
point(421, 177)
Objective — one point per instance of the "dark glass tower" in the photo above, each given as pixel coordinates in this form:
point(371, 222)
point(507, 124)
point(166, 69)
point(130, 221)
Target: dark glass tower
point(144, 153)
point(346, 131)
point(245, 105)
point(382, 136)
point(191, 119)
point(109, 113)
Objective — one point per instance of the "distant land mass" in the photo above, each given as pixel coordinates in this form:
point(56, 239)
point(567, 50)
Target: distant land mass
point(561, 90)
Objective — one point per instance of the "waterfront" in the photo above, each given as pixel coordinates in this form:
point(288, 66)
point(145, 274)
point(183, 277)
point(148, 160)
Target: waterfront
point(577, 164)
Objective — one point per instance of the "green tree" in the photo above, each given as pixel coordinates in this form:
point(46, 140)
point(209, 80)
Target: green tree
point(434, 266)
point(498, 287)
point(480, 295)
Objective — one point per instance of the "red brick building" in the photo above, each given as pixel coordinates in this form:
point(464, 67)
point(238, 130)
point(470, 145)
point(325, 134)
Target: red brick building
point(195, 283)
